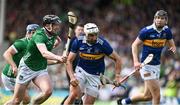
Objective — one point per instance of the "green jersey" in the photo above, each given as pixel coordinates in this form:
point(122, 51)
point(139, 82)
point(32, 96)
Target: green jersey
point(20, 47)
point(33, 58)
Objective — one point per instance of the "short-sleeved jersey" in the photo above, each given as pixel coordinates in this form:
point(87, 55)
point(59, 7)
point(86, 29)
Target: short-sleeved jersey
point(20, 48)
point(153, 42)
point(33, 58)
point(91, 57)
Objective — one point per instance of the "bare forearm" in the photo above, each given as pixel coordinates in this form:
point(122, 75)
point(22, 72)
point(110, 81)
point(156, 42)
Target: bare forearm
point(49, 55)
point(52, 62)
point(69, 69)
point(9, 59)
point(118, 67)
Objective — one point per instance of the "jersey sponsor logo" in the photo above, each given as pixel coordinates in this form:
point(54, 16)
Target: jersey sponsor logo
point(91, 56)
point(155, 43)
point(21, 77)
point(81, 48)
point(152, 36)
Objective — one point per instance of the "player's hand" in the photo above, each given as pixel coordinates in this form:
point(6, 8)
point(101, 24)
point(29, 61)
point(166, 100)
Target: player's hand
point(137, 65)
point(173, 49)
point(62, 59)
point(117, 79)
point(74, 82)
point(14, 70)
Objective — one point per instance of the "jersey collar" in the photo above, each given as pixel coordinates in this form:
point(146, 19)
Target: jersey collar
point(155, 28)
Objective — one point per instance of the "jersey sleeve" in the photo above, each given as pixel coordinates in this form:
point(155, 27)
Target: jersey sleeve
point(107, 48)
point(72, 40)
point(39, 38)
point(169, 34)
point(19, 45)
point(142, 35)
point(74, 46)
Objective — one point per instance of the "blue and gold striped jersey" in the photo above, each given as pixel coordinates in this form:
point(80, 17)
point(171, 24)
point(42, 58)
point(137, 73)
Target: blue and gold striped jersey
point(154, 41)
point(91, 57)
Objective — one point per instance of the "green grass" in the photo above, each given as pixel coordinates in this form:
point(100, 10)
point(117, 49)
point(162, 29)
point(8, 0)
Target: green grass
point(54, 101)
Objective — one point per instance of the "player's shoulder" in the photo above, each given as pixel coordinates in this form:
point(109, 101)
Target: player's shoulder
point(147, 29)
point(21, 40)
point(166, 28)
point(40, 31)
point(101, 40)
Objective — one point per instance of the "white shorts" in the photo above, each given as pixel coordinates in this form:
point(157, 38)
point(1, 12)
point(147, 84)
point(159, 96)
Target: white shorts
point(89, 84)
point(25, 74)
point(8, 82)
point(149, 72)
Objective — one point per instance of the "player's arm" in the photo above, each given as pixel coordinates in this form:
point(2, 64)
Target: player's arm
point(135, 52)
point(171, 45)
point(49, 55)
point(114, 56)
point(69, 68)
point(8, 56)
point(52, 62)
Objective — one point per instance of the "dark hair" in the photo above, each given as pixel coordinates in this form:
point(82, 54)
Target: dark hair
point(81, 24)
point(161, 13)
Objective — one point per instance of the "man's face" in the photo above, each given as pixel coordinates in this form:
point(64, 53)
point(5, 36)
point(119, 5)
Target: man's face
point(56, 28)
point(91, 38)
point(29, 35)
point(79, 30)
point(160, 21)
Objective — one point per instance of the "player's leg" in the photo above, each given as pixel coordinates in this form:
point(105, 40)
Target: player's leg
point(92, 89)
point(88, 99)
point(154, 88)
point(145, 96)
point(68, 78)
point(18, 95)
point(74, 93)
point(45, 85)
point(9, 83)
point(26, 99)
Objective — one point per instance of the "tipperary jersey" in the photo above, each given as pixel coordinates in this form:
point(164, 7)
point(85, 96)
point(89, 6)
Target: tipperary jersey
point(153, 42)
point(91, 57)
point(33, 58)
point(20, 47)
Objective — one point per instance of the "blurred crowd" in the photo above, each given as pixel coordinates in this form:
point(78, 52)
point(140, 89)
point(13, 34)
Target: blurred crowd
point(119, 22)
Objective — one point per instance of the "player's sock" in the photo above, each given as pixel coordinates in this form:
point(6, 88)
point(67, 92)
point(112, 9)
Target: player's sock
point(126, 101)
point(78, 102)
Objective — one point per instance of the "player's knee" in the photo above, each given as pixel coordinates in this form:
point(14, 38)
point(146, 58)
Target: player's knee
point(47, 93)
point(74, 95)
point(17, 101)
point(157, 97)
point(26, 100)
point(147, 97)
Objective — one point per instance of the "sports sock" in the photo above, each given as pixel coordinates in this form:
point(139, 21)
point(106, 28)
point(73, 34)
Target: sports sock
point(126, 101)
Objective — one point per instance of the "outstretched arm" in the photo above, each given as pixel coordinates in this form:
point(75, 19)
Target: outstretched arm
point(49, 55)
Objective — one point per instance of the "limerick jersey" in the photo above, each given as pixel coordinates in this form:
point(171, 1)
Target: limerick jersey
point(154, 41)
point(20, 48)
point(33, 58)
point(91, 57)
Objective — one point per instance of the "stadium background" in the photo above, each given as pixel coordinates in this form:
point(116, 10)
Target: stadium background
point(119, 21)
